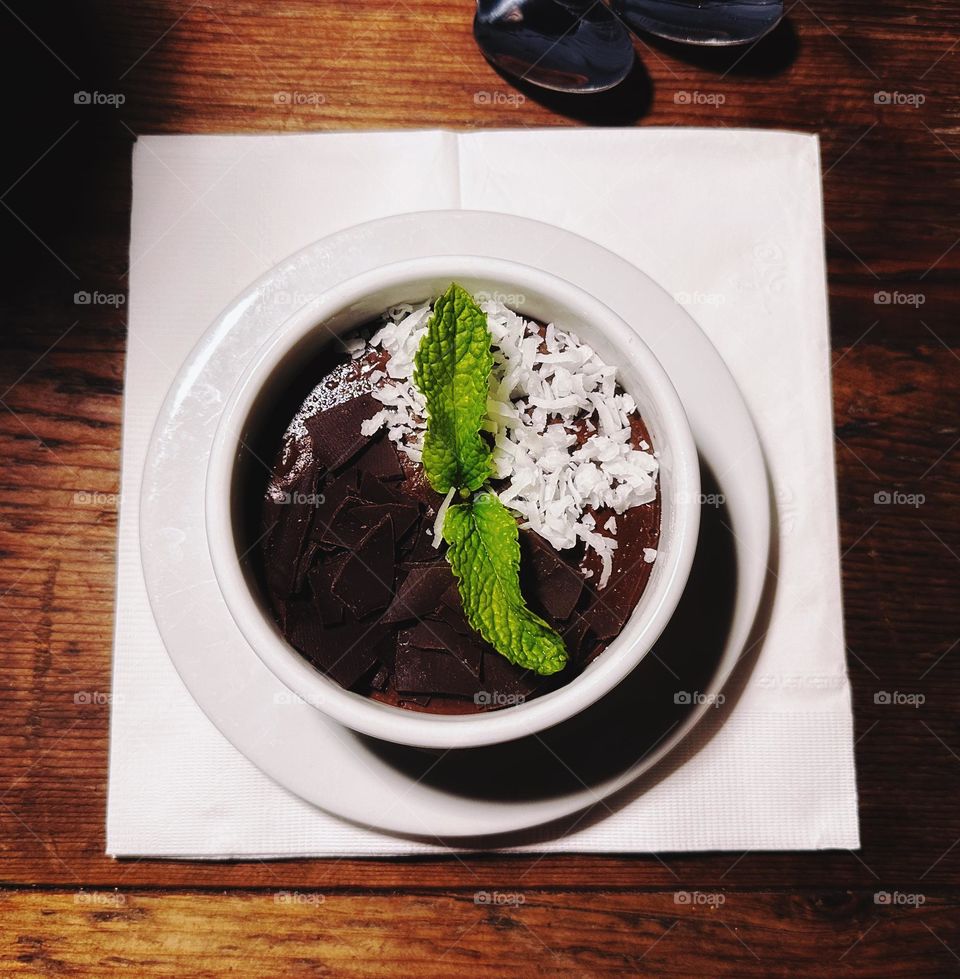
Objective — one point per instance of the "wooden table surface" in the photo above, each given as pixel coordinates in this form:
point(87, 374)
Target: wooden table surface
point(892, 191)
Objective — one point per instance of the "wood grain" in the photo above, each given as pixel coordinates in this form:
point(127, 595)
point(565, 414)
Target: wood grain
point(308, 933)
point(892, 208)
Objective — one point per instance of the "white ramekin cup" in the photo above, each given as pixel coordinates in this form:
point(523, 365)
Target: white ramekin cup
point(538, 295)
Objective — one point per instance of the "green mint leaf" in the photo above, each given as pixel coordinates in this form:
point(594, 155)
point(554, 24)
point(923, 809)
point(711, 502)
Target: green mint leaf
point(453, 365)
point(484, 552)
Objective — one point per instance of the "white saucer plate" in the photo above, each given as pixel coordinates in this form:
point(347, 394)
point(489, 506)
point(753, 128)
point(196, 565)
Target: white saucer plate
point(301, 749)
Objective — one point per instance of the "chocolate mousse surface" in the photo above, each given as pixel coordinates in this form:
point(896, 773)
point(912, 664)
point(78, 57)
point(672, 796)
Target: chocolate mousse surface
point(348, 563)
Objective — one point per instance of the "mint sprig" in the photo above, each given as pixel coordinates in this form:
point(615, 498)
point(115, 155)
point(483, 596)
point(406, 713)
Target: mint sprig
point(484, 552)
point(453, 365)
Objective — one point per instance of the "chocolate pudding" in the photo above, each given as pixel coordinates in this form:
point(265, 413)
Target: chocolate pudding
point(348, 560)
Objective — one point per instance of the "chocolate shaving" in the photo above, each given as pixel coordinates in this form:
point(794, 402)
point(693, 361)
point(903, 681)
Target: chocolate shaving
point(421, 547)
point(373, 490)
point(335, 491)
point(321, 579)
point(284, 551)
point(345, 652)
point(451, 597)
point(429, 671)
point(502, 678)
point(560, 592)
point(365, 582)
point(454, 618)
point(328, 525)
point(380, 459)
point(577, 638)
point(354, 519)
point(551, 585)
point(381, 679)
point(307, 557)
point(335, 432)
point(431, 634)
point(346, 531)
point(403, 516)
point(612, 608)
point(419, 593)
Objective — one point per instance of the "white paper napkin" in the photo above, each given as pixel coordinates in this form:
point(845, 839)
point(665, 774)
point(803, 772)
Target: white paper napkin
point(730, 222)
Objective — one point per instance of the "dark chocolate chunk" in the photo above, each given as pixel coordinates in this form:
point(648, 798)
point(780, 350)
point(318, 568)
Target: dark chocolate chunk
point(334, 492)
point(403, 516)
point(431, 634)
point(419, 593)
point(354, 518)
point(285, 548)
point(380, 459)
point(502, 679)
point(611, 608)
point(346, 652)
point(454, 618)
point(365, 582)
point(304, 626)
point(549, 583)
point(373, 490)
point(381, 679)
point(451, 597)
point(536, 553)
point(345, 530)
point(335, 432)
point(560, 592)
point(328, 523)
point(577, 638)
point(421, 547)
point(307, 559)
point(430, 671)
point(419, 701)
point(321, 578)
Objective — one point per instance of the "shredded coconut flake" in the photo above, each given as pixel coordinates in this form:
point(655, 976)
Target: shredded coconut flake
point(441, 514)
point(544, 390)
point(649, 554)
